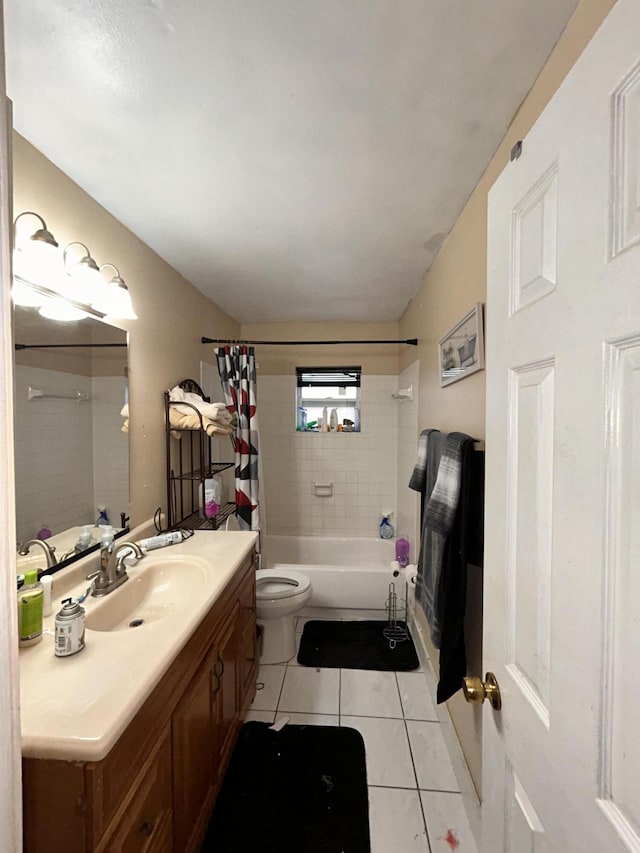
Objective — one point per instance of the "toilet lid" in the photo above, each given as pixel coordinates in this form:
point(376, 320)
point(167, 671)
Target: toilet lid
point(274, 584)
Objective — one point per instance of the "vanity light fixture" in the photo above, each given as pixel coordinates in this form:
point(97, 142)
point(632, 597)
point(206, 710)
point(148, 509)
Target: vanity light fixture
point(117, 303)
point(62, 286)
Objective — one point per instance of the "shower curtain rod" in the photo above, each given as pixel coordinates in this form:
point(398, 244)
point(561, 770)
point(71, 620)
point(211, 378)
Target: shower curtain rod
point(413, 342)
point(65, 346)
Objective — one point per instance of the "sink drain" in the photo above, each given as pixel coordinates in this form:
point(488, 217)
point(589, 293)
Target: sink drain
point(136, 623)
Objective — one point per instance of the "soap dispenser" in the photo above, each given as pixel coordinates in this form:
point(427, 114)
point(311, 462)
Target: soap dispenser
point(106, 546)
point(85, 539)
point(30, 607)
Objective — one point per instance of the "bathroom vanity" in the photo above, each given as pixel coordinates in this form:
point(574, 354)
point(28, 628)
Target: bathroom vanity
point(133, 761)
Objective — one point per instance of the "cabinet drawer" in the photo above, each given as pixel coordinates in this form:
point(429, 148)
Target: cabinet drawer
point(145, 826)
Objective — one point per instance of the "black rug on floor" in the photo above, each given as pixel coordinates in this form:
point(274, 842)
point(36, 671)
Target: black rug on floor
point(354, 645)
point(300, 790)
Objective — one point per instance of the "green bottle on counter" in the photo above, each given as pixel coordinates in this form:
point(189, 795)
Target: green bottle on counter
point(30, 605)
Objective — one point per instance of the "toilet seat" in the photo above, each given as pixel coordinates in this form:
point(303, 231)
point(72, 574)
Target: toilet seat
point(273, 585)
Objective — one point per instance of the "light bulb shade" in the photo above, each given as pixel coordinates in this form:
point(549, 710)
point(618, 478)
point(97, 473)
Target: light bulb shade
point(121, 307)
point(84, 283)
point(39, 263)
point(58, 309)
point(117, 301)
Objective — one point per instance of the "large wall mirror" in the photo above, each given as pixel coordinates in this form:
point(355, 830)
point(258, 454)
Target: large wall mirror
point(71, 443)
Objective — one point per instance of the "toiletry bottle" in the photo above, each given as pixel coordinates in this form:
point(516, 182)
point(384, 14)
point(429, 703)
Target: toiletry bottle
point(103, 518)
point(402, 551)
point(386, 528)
point(47, 592)
point(106, 546)
point(325, 421)
point(85, 539)
point(333, 420)
point(30, 604)
point(160, 541)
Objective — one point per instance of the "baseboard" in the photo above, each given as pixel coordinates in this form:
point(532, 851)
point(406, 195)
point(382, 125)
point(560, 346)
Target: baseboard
point(465, 782)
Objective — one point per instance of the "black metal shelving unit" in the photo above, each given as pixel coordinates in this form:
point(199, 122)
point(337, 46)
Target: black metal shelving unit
point(189, 463)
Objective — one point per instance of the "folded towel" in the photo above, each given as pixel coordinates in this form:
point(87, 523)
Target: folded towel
point(216, 412)
point(193, 421)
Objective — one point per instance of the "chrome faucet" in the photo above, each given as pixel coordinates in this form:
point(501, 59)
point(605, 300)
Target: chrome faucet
point(49, 550)
point(113, 572)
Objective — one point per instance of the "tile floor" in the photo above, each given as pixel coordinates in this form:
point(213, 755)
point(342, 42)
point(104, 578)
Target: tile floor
point(414, 801)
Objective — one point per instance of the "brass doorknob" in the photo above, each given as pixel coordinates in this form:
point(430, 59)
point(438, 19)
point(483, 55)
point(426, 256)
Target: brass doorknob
point(476, 690)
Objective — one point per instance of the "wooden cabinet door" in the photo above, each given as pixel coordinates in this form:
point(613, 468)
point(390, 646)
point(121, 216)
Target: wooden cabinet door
point(225, 691)
point(145, 826)
point(247, 664)
point(248, 645)
point(194, 758)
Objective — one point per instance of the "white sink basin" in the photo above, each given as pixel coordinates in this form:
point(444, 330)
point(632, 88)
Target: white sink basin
point(157, 587)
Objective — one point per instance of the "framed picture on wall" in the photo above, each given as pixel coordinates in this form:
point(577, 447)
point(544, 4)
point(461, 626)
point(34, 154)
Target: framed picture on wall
point(461, 350)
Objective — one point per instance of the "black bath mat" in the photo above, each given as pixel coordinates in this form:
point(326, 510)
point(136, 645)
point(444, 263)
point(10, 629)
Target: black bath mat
point(300, 790)
point(354, 645)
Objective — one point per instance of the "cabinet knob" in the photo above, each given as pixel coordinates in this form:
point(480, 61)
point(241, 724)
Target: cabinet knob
point(146, 827)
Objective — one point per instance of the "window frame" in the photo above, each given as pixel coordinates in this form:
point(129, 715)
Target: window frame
point(329, 377)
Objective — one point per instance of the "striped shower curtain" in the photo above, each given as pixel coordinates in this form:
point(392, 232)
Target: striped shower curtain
point(237, 368)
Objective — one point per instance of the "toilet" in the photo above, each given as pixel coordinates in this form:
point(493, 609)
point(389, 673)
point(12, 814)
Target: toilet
point(279, 596)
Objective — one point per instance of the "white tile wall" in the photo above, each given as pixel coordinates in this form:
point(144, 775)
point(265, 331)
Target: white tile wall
point(408, 500)
point(110, 447)
point(361, 466)
point(57, 483)
point(53, 453)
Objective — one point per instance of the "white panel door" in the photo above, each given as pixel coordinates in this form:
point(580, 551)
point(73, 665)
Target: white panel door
point(562, 563)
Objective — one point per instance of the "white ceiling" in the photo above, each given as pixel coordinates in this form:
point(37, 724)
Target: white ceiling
point(294, 159)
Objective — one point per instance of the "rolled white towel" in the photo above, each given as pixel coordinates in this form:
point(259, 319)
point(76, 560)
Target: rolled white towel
point(216, 412)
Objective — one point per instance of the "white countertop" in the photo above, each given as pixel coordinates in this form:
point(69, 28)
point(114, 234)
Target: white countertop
point(76, 708)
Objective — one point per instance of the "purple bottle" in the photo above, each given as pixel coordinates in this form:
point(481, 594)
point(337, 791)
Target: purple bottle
point(402, 552)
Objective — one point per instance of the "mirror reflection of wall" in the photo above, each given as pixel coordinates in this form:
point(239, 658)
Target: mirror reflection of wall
point(71, 453)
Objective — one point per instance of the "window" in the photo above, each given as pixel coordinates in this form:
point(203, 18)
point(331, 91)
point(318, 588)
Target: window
point(322, 389)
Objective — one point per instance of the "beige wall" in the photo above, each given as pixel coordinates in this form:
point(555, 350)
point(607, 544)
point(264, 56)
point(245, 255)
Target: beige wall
point(283, 360)
point(457, 280)
point(164, 343)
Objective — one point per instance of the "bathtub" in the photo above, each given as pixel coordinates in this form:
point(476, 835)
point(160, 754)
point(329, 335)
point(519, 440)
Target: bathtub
point(351, 573)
